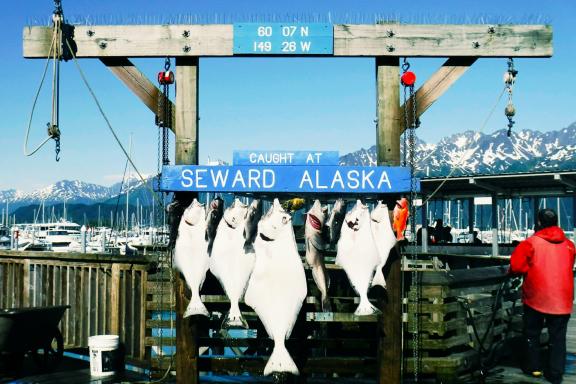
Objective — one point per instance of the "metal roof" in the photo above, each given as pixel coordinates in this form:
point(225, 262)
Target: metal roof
point(518, 184)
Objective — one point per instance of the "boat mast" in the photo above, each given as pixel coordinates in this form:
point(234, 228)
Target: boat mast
point(128, 189)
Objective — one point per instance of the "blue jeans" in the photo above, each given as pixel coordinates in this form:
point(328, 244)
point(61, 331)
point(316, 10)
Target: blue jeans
point(534, 321)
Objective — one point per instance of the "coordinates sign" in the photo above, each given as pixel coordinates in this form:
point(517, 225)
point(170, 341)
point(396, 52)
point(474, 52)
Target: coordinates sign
point(283, 39)
point(294, 179)
point(257, 157)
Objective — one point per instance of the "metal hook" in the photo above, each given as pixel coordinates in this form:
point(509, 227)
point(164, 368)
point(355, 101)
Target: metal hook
point(405, 65)
point(167, 64)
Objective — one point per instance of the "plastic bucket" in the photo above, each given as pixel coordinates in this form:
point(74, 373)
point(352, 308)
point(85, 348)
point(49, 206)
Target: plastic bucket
point(104, 354)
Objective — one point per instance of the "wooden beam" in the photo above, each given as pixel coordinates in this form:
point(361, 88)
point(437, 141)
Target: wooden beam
point(186, 127)
point(138, 83)
point(565, 180)
point(485, 185)
point(388, 110)
point(388, 149)
point(443, 40)
point(425, 40)
point(437, 84)
point(186, 130)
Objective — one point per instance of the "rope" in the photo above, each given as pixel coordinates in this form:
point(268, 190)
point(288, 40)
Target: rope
point(48, 59)
point(455, 167)
point(129, 159)
point(83, 76)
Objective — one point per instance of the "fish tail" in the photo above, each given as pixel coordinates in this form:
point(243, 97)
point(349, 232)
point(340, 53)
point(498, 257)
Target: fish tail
point(280, 361)
point(196, 307)
point(366, 308)
point(379, 278)
point(234, 318)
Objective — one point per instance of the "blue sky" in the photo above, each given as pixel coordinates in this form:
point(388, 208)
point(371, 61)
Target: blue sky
point(279, 103)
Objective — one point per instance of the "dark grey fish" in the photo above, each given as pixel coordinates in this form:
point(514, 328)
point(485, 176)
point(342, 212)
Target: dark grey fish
point(315, 246)
point(251, 226)
point(334, 223)
point(213, 217)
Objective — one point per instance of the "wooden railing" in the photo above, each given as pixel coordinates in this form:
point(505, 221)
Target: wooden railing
point(106, 294)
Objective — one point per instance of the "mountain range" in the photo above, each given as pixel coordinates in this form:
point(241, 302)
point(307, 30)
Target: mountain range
point(474, 153)
point(467, 153)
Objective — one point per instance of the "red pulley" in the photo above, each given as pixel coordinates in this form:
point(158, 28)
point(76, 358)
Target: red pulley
point(408, 79)
point(166, 77)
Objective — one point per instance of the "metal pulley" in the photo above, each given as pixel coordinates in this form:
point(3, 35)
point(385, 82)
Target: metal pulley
point(166, 77)
point(510, 110)
point(509, 80)
point(408, 79)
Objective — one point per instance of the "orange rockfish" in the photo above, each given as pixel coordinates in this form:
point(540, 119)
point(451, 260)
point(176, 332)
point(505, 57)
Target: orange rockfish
point(401, 214)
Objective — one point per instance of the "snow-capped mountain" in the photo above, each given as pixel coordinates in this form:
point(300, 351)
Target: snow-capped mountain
point(465, 153)
point(68, 191)
point(73, 191)
point(470, 153)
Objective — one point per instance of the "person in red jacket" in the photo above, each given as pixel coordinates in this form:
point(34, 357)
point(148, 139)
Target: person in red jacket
point(546, 260)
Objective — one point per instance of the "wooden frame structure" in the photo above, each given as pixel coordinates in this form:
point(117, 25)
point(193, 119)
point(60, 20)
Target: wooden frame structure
point(461, 44)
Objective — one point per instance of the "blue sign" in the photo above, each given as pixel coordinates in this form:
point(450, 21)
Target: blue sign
point(285, 158)
point(295, 179)
point(283, 39)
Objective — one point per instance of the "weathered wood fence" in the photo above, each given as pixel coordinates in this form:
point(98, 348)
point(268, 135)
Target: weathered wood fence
point(106, 294)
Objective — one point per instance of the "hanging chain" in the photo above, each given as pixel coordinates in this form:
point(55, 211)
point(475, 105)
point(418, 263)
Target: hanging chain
point(167, 117)
point(409, 158)
point(164, 118)
point(509, 80)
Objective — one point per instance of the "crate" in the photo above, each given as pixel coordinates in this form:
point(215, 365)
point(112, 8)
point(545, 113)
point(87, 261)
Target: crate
point(323, 344)
point(445, 307)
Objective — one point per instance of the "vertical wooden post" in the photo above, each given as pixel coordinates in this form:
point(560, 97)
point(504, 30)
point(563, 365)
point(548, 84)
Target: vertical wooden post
point(471, 215)
point(388, 147)
point(424, 223)
point(494, 225)
point(26, 283)
point(186, 131)
point(115, 300)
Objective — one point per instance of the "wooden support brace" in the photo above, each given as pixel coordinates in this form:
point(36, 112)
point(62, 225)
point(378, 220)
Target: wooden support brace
point(142, 87)
point(437, 84)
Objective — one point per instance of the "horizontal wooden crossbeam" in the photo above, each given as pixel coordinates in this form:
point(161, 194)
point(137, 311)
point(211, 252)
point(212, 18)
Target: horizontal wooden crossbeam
point(349, 40)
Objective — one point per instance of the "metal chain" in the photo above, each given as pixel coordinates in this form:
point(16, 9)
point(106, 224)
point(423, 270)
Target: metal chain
point(166, 124)
point(159, 157)
point(409, 146)
point(167, 121)
point(404, 137)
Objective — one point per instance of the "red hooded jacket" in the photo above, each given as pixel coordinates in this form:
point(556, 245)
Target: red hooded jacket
point(546, 260)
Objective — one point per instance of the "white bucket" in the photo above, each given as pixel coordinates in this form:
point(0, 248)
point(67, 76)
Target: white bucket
point(104, 354)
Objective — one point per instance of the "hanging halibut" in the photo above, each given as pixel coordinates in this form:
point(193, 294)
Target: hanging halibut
point(191, 254)
point(251, 227)
point(358, 255)
point(277, 286)
point(384, 238)
point(334, 223)
point(230, 263)
point(315, 246)
point(213, 217)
